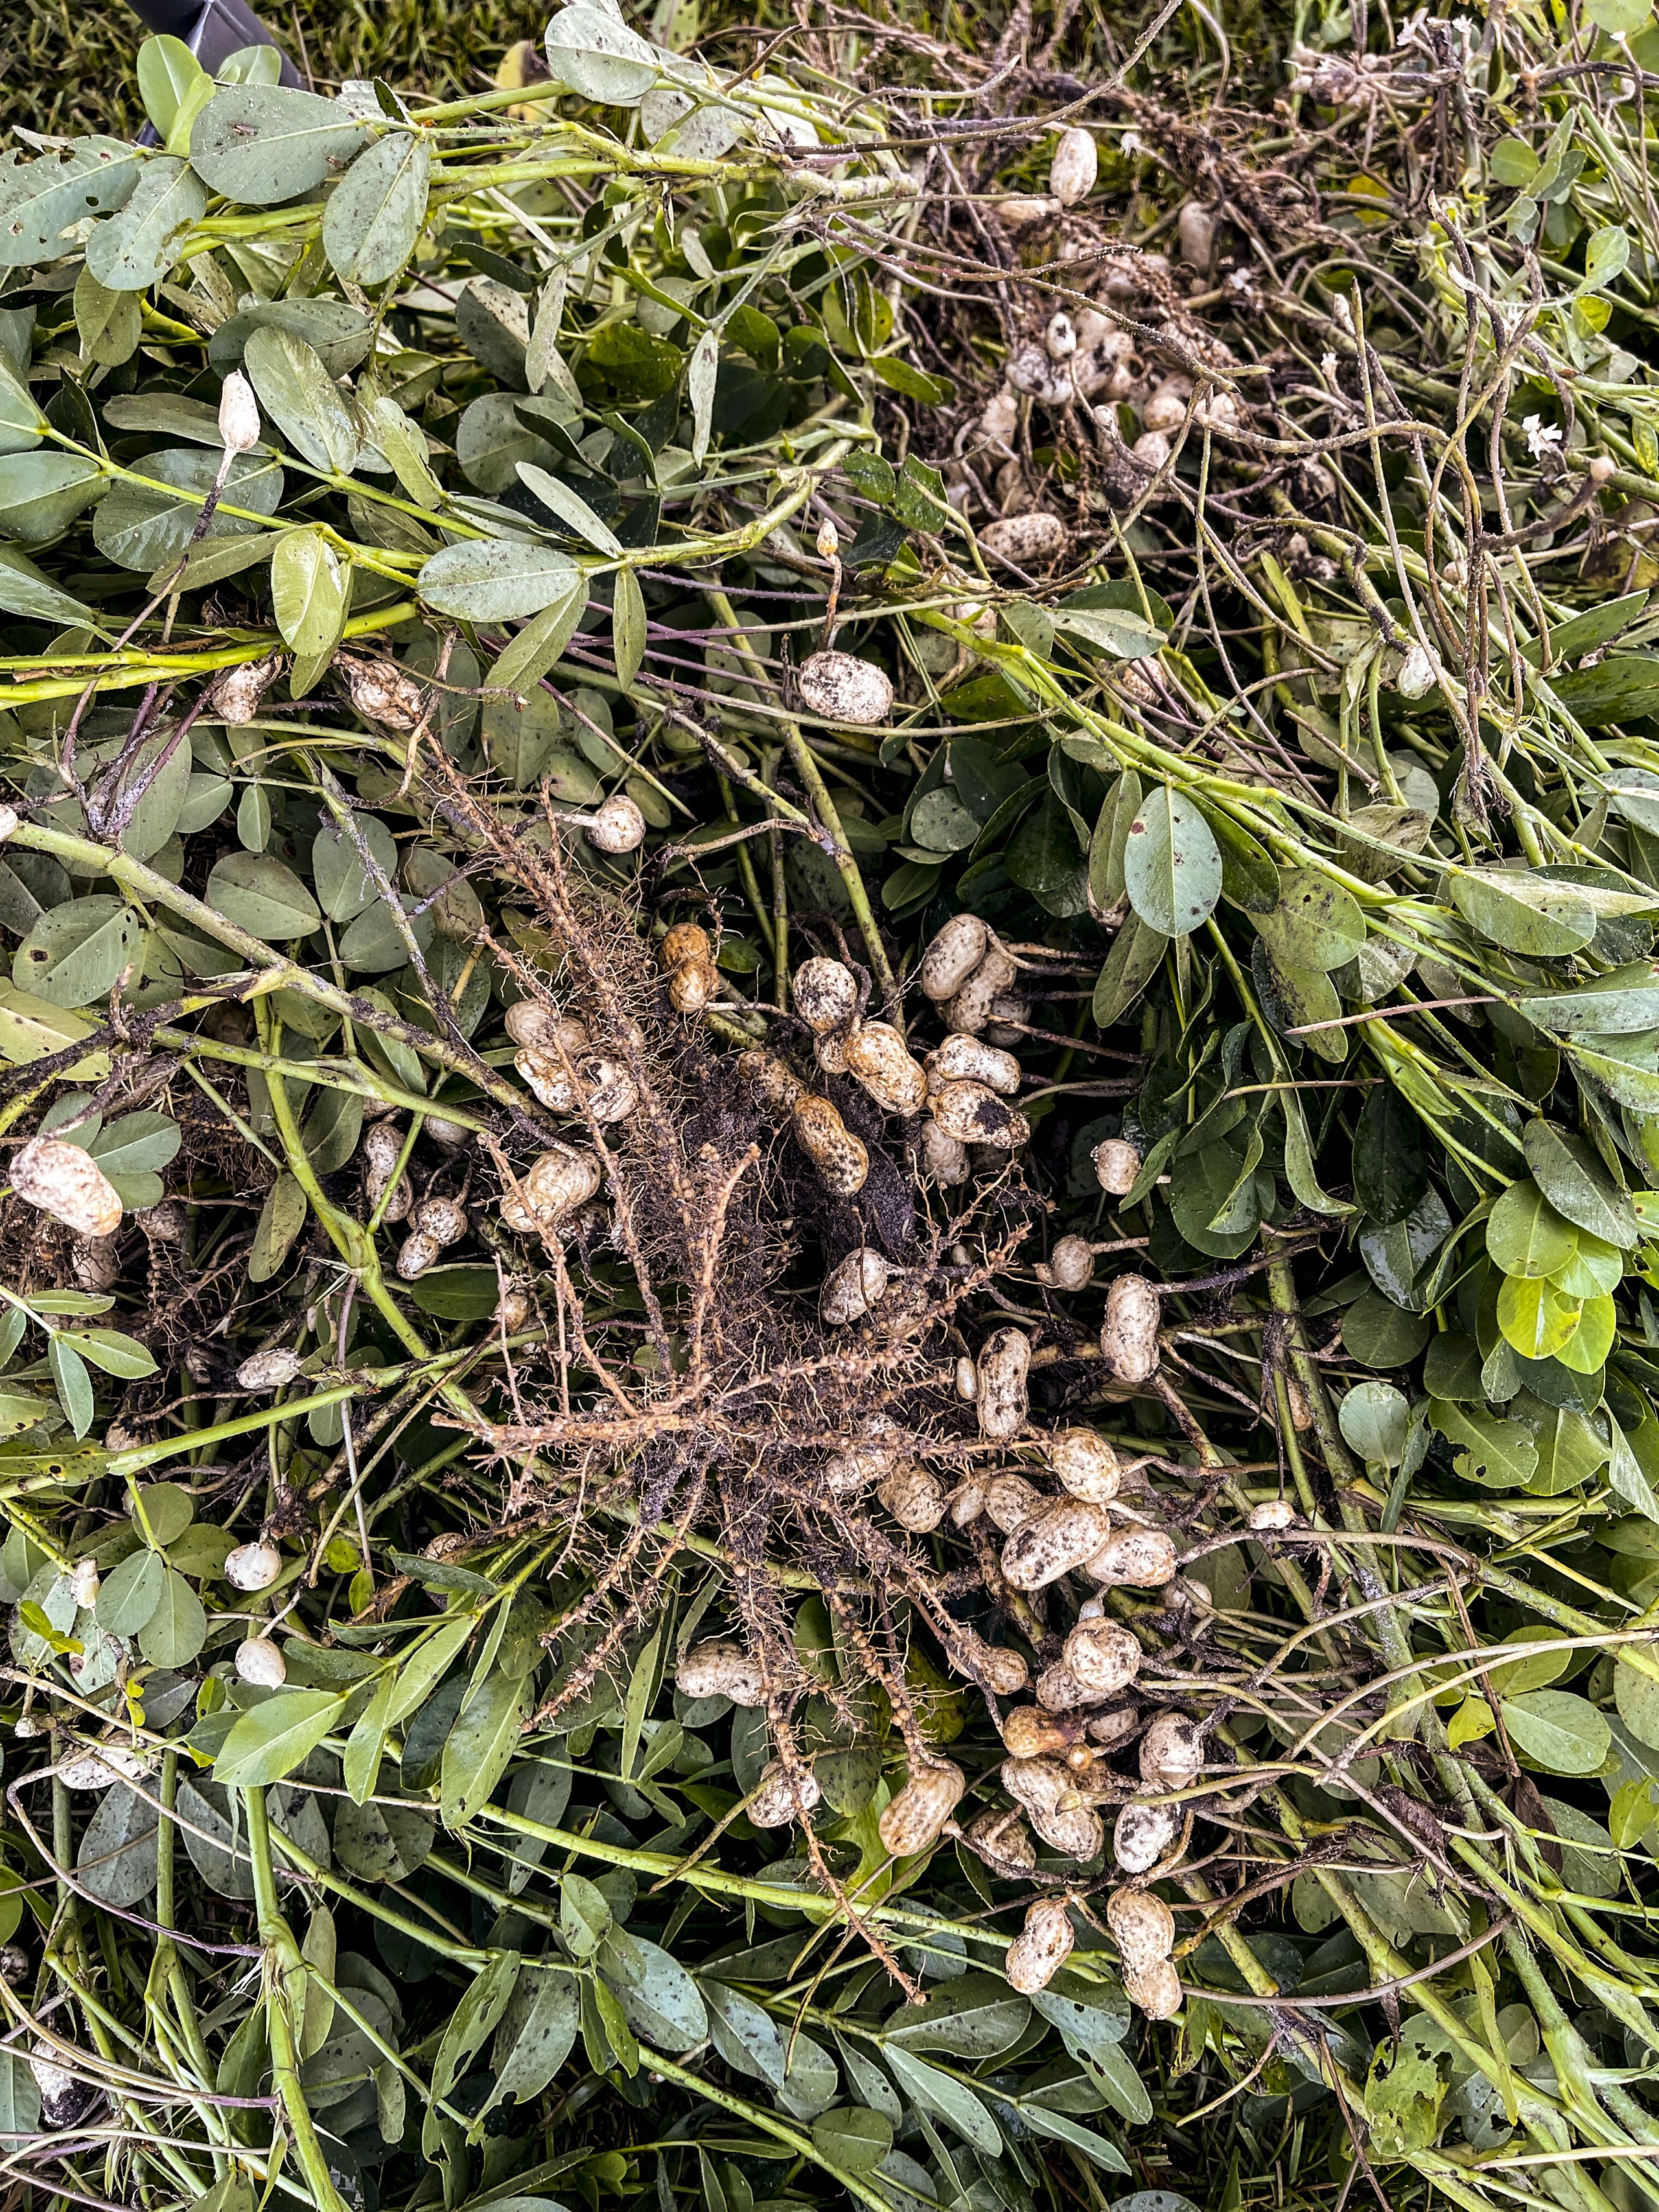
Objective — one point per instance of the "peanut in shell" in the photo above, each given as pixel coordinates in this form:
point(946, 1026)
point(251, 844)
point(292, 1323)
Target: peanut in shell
point(1085, 1464)
point(1134, 1558)
point(1128, 1334)
point(840, 1157)
point(1157, 1992)
point(1143, 1834)
point(914, 1497)
point(962, 1058)
point(1102, 1655)
point(1042, 1946)
point(1171, 1753)
point(913, 1820)
point(1143, 1927)
point(973, 1114)
point(721, 1668)
point(1002, 1400)
point(877, 1057)
point(66, 1183)
point(779, 1799)
point(1054, 1542)
point(953, 956)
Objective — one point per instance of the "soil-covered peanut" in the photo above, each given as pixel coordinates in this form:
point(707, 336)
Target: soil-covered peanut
point(840, 1157)
point(253, 1566)
point(1039, 1785)
point(1171, 1753)
point(1012, 1501)
point(853, 1286)
point(1041, 1947)
point(914, 1497)
point(878, 1058)
point(1156, 1991)
point(1076, 164)
point(843, 689)
point(1143, 1834)
point(1116, 1164)
point(1104, 1655)
point(1054, 1542)
point(1143, 1927)
point(1134, 1558)
point(913, 1818)
point(1001, 1671)
point(1129, 1335)
point(953, 956)
point(1062, 1691)
point(1025, 541)
point(1003, 1402)
point(778, 1798)
point(1086, 1464)
point(686, 940)
point(974, 1114)
point(944, 1157)
point(826, 994)
point(694, 985)
point(68, 1184)
point(721, 1667)
point(1069, 1265)
point(968, 1009)
point(552, 1188)
point(1032, 1731)
point(1003, 1839)
point(963, 1058)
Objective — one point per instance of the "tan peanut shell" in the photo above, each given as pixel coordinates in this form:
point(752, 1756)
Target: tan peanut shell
point(1042, 1946)
point(1134, 1558)
point(913, 1820)
point(840, 1157)
point(1275, 1514)
point(1157, 1992)
point(1033, 1732)
point(721, 1668)
point(778, 1800)
point(1171, 1753)
point(953, 956)
point(773, 1083)
point(1116, 1165)
point(1003, 1838)
point(1069, 1265)
point(843, 689)
point(1002, 1671)
point(968, 1501)
point(968, 1009)
point(1129, 1335)
point(943, 1158)
point(416, 1255)
point(826, 994)
point(853, 1286)
point(974, 1114)
point(1012, 1501)
point(1072, 171)
point(693, 985)
point(1002, 1400)
point(1143, 1927)
point(553, 1187)
point(686, 940)
point(1104, 1656)
point(914, 1497)
point(1143, 1834)
point(1054, 1542)
point(962, 1058)
point(877, 1057)
point(1085, 1464)
point(66, 1183)
point(1062, 1691)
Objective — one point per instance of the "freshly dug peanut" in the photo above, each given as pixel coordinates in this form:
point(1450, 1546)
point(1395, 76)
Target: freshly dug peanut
point(1134, 1558)
point(416, 1255)
point(968, 1501)
point(880, 1445)
point(911, 1822)
point(1075, 166)
point(998, 1671)
point(1143, 1833)
point(383, 1144)
point(844, 689)
point(774, 1084)
point(1104, 1655)
point(1116, 1725)
point(1085, 1463)
point(531, 1022)
point(1042, 1946)
point(1054, 1542)
point(966, 1379)
point(1143, 1927)
point(1003, 1402)
point(1276, 1514)
point(442, 1220)
point(826, 994)
point(260, 1661)
point(1069, 1265)
point(943, 1158)
point(1116, 1165)
point(1032, 1732)
point(235, 696)
point(253, 1566)
point(549, 1075)
point(953, 956)
point(552, 1187)
point(778, 1800)
point(268, 1370)
point(1166, 409)
point(686, 940)
point(1060, 1691)
point(616, 826)
point(693, 985)
point(877, 1057)
point(853, 1286)
point(1157, 1992)
point(96, 1261)
point(86, 1582)
point(1129, 1335)
point(969, 1010)
point(1012, 1501)
point(1002, 1838)
point(963, 1057)
point(1038, 1784)
point(830, 1051)
point(1171, 1753)
point(612, 1091)
point(914, 1497)
point(840, 1157)
point(68, 1184)
point(721, 1668)
point(1027, 541)
point(974, 1114)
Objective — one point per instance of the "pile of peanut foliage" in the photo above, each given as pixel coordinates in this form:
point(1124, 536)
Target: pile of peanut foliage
point(830, 858)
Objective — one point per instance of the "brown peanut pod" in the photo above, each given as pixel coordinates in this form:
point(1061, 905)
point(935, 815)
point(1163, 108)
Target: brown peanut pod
point(1134, 1558)
point(1065, 1533)
point(912, 1820)
point(840, 1157)
point(953, 955)
point(1157, 1992)
point(1042, 1946)
point(1033, 1732)
point(826, 994)
point(1143, 1927)
point(686, 940)
point(877, 1057)
point(914, 1497)
point(1128, 1334)
point(968, 1059)
point(1012, 1501)
point(974, 1114)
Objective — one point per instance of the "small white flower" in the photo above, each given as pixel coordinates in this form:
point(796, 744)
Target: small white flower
point(1542, 437)
point(1132, 143)
point(1329, 365)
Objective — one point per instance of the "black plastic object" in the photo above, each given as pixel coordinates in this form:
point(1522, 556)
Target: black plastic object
point(212, 29)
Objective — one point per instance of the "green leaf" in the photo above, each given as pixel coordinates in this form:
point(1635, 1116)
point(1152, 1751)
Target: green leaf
point(1171, 864)
point(474, 2020)
point(1521, 914)
point(1577, 1185)
point(130, 1592)
point(904, 376)
point(262, 143)
point(141, 526)
point(1534, 1317)
point(1121, 632)
point(300, 396)
point(135, 249)
point(24, 590)
point(75, 955)
point(374, 214)
point(1586, 1350)
point(260, 894)
point(1374, 1417)
point(1525, 1236)
point(174, 88)
point(177, 1630)
point(1135, 957)
point(281, 1219)
point(570, 507)
point(479, 1746)
point(343, 884)
point(852, 2138)
point(41, 494)
point(628, 625)
point(108, 1349)
point(1606, 257)
point(660, 2002)
point(272, 1739)
point(74, 1384)
point(116, 1859)
point(308, 590)
point(946, 2099)
point(974, 2016)
point(497, 579)
point(1094, 2148)
point(1314, 924)
point(596, 54)
point(1111, 835)
point(1491, 1451)
point(535, 2036)
point(40, 199)
point(1390, 1161)
point(1556, 1731)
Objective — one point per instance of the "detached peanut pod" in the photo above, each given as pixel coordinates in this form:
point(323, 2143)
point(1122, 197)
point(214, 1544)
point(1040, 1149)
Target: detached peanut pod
point(914, 1497)
point(1276, 1514)
point(1143, 1927)
point(253, 1566)
point(1002, 1839)
point(268, 1370)
point(974, 1114)
point(1032, 1732)
point(968, 1009)
point(1012, 1501)
point(555, 1186)
point(1085, 1464)
point(1129, 1335)
point(778, 1800)
point(853, 1286)
point(1069, 1265)
point(1041, 1947)
point(877, 1057)
point(1134, 1558)
point(1054, 1542)
point(1143, 1834)
point(953, 956)
point(1002, 1400)
point(969, 1058)
point(1171, 1753)
point(943, 1158)
point(912, 1820)
point(721, 1668)
point(383, 1147)
point(1039, 1785)
point(840, 1157)
point(234, 697)
point(1104, 1655)
point(1075, 166)
point(826, 994)
point(67, 1183)
point(1157, 1992)
point(843, 689)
